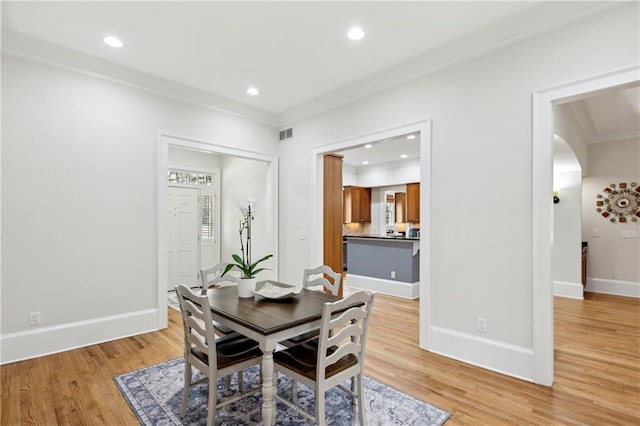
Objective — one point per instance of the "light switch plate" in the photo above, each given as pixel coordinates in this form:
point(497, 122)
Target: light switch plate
point(627, 233)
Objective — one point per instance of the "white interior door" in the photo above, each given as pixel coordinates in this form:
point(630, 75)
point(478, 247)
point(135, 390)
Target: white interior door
point(183, 237)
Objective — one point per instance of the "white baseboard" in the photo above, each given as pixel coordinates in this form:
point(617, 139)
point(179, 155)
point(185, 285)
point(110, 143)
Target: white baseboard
point(511, 360)
point(567, 289)
point(617, 287)
point(390, 287)
point(49, 340)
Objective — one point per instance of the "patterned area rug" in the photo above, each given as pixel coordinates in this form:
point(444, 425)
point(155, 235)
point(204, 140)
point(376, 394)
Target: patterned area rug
point(155, 394)
point(172, 300)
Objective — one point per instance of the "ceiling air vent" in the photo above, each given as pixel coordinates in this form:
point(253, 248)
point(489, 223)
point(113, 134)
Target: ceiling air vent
point(286, 134)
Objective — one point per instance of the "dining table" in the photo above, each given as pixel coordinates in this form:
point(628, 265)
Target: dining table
point(268, 321)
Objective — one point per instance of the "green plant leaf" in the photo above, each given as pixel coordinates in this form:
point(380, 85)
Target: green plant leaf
point(227, 268)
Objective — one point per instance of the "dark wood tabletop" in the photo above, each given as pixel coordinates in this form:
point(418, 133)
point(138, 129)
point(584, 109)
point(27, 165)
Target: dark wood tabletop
point(268, 316)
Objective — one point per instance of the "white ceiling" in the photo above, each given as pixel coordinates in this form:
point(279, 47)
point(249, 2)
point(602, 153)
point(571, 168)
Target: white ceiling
point(609, 116)
point(296, 53)
point(385, 151)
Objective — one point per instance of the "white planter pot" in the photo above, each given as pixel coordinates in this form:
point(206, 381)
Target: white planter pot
point(246, 287)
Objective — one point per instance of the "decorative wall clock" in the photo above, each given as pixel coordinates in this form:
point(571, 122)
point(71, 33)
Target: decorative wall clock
point(620, 203)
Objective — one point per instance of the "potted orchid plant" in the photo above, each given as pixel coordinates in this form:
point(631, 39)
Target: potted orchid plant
point(248, 270)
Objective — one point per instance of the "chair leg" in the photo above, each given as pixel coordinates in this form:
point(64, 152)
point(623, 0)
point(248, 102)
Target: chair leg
point(354, 384)
point(211, 406)
point(185, 389)
point(240, 381)
point(294, 391)
point(360, 385)
point(320, 408)
point(227, 382)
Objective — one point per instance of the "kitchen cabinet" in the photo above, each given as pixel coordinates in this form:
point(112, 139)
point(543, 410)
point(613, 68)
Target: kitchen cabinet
point(357, 204)
point(400, 205)
point(413, 203)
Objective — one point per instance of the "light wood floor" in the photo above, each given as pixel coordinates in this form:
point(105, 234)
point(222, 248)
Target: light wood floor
point(597, 369)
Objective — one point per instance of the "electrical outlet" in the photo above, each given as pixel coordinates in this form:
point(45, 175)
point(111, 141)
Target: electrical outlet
point(393, 274)
point(34, 318)
point(617, 274)
point(482, 325)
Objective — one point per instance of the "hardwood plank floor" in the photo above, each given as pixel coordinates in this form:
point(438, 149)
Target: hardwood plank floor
point(597, 372)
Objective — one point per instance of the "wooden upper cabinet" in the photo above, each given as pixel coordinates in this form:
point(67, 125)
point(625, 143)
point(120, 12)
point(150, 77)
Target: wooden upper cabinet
point(357, 204)
point(400, 204)
point(413, 203)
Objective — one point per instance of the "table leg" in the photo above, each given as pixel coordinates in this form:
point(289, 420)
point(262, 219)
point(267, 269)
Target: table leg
point(268, 415)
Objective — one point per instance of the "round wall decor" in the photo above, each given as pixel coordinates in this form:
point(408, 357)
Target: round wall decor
point(620, 203)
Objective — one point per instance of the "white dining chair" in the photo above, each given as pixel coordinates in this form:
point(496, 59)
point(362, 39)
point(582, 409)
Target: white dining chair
point(212, 278)
point(316, 279)
point(214, 358)
point(337, 356)
point(322, 278)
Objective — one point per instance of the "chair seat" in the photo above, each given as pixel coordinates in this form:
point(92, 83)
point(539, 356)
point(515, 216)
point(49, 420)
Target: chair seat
point(302, 359)
point(231, 350)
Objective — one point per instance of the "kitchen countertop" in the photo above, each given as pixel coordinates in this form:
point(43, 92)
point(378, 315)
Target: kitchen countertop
point(379, 237)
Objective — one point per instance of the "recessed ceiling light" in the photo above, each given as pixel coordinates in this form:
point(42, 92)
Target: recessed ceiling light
point(411, 137)
point(355, 33)
point(113, 41)
point(403, 156)
point(368, 146)
point(365, 162)
point(253, 91)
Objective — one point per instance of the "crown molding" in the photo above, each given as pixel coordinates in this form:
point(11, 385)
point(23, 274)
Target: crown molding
point(615, 137)
point(36, 50)
point(514, 29)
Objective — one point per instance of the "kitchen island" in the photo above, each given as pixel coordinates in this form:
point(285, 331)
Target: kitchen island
point(389, 265)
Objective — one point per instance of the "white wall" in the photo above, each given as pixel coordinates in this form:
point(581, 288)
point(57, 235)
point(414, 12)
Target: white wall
point(564, 125)
point(481, 177)
point(192, 159)
point(79, 206)
point(611, 162)
point(243, 179)
point(569, 156)
point(392, 174)
point(349, 175)
point(566, 267)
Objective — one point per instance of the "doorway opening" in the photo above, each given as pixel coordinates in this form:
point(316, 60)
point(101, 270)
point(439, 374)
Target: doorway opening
point(423, 128)
point(542, 207)
point(249, 175)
